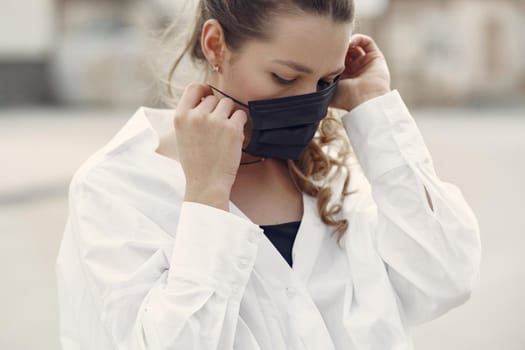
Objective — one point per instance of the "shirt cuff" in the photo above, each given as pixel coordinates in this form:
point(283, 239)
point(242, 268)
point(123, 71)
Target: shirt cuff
point(214, 246)
point(384, 135)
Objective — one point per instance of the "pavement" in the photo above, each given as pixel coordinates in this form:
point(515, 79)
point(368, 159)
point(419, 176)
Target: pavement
point(480, 151)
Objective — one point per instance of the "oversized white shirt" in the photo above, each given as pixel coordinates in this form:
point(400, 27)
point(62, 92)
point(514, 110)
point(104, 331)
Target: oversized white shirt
point(140, 268)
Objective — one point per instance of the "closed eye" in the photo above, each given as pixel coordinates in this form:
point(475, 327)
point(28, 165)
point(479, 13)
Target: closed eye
point(321, 83)
point(282, 81)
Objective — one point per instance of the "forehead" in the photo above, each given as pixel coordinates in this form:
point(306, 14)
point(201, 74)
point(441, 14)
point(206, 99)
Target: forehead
point(314, 41)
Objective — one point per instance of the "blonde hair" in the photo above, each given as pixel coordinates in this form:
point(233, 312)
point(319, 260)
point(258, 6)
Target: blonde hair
point(328, 154)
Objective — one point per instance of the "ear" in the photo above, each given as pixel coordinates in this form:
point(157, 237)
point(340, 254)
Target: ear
point(213, 44)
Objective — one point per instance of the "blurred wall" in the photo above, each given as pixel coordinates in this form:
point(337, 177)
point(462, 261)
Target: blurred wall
point(27, 35)
point(26, 29)
point(454, 52)
point(440, 52)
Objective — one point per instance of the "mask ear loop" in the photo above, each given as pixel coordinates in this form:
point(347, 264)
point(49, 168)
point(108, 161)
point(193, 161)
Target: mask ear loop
point(237, 101)
point(234, 99)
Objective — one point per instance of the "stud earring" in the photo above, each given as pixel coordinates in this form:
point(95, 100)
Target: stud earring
point(215, 68)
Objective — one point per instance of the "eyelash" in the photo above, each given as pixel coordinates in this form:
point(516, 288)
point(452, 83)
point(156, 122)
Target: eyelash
point(281, 80)
point(289, 82)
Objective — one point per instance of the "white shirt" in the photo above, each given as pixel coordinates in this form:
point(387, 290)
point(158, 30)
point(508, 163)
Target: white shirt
point(140, 268)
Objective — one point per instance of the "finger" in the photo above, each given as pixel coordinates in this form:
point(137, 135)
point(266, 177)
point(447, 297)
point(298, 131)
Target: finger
point(207, 104)
point(192, 96)
point(359, 66)
point(224, 108)
point(355, 52)
point(365, 42)
point(352, 65)
point(359, 61)
point(240, 118)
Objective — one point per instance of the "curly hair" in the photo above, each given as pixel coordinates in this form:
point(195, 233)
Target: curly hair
point(328, 154)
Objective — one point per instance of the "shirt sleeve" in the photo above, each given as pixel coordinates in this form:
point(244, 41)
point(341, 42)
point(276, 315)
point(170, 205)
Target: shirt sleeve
point(431, 252)
point(155, 292)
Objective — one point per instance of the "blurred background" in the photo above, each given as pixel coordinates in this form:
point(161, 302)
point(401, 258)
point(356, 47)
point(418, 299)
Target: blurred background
point(72, 72)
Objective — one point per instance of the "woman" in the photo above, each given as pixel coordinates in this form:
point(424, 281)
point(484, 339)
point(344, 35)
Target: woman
point(225, 224)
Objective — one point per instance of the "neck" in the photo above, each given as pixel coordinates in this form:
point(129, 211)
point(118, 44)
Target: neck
point(259, 175)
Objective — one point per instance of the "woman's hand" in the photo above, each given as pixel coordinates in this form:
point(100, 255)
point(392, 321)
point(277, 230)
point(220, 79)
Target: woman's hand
point(366, 75)
point(209, 134)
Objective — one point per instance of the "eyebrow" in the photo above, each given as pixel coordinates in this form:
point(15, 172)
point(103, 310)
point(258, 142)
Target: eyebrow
point(300, 68)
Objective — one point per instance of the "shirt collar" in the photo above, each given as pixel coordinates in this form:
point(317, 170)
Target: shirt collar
point(145, 127)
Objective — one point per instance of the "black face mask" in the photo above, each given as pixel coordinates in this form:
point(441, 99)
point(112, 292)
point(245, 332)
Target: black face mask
point(283, 127)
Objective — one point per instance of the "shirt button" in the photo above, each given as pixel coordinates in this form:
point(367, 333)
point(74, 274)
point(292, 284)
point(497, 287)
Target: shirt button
point(290, 291)
point(235, 288)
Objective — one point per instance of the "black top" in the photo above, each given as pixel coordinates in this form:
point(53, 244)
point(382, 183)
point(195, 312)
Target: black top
point(282, 236)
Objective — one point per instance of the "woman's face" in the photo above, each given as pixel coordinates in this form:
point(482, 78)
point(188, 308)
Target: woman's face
point(305, 54)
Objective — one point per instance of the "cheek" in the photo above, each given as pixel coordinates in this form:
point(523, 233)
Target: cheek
point(249, 84)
